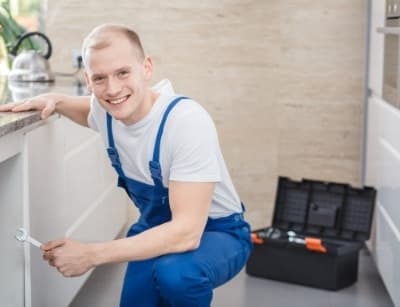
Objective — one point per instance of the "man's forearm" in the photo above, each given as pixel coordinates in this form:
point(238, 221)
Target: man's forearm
point(163, 239)
point(76, 108)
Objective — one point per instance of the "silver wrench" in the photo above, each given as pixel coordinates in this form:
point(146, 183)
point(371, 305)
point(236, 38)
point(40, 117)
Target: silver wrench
point(22, 236)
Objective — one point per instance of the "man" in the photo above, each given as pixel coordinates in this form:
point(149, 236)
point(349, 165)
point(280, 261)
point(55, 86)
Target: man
point(190, 237)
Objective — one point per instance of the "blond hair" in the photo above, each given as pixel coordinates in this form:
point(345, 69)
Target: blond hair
point(102, 36)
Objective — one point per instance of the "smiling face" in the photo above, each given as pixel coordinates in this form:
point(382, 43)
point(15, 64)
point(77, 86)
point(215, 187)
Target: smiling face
point(119, 78)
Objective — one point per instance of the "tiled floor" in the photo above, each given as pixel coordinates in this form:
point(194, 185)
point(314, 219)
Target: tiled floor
point(102, 290)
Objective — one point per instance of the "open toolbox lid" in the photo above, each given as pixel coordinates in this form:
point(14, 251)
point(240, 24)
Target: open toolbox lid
point(324, 209)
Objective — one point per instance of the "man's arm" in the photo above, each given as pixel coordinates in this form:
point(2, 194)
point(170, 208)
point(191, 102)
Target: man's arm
point(75, 108)
point(190, 203)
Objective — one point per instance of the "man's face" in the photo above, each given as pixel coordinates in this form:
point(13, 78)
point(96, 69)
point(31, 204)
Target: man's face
point(119, 80)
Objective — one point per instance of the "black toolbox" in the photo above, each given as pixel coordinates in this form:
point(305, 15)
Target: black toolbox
point(317, 232)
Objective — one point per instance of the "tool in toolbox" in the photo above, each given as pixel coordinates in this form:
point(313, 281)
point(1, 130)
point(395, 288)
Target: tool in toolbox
point(311, 243)
point(260, 236)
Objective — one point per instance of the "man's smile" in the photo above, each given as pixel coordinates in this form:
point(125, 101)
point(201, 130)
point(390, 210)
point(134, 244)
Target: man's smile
point(118, 100)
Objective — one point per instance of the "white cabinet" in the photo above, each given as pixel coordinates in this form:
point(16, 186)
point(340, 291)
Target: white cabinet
point(12, 264)
point(382, 165)
point(72, 193)
point(56, 181)
point(383, 172)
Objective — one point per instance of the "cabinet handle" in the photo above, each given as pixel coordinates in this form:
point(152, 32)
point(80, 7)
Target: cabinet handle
point(389, 30)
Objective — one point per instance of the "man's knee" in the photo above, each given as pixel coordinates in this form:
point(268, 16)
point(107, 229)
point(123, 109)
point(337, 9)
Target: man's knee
point(176, 277)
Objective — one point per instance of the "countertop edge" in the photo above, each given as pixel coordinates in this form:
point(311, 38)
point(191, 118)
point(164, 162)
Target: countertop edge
point(11, 122)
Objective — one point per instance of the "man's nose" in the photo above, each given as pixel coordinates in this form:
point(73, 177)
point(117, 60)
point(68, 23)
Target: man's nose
point(113, 87)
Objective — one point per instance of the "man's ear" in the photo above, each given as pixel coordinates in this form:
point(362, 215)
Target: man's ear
point(148, 68)
point(87, 81)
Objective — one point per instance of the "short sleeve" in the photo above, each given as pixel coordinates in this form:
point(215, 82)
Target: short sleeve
point(193, 145)
point(93, 114)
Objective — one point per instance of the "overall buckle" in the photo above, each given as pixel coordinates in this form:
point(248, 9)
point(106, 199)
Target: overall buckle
point(155, 170)
point(113, 154)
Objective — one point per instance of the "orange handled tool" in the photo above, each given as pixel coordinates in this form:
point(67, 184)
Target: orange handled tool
point(315, 244)
point(311, 243)
point(256, 239)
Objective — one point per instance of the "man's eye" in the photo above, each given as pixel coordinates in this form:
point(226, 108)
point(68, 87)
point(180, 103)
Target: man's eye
point(98, 79)
point(123, 73)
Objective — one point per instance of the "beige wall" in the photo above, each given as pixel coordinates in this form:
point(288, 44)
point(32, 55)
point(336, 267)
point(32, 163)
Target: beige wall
point(282, 79)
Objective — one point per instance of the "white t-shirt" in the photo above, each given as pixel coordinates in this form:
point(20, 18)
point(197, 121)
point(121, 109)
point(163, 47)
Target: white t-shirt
point(189, 149)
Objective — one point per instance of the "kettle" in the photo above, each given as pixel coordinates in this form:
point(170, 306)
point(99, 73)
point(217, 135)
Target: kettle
point(31, 65)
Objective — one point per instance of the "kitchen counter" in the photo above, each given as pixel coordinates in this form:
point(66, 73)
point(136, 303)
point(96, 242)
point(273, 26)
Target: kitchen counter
point(10, 122)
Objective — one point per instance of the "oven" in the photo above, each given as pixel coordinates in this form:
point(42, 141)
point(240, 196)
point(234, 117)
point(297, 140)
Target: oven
point(391, 64)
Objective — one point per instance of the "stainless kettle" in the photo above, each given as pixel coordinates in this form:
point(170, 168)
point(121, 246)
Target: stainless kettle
point(31, 65)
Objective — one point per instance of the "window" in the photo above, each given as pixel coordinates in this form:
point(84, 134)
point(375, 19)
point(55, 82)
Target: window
point(26, 12)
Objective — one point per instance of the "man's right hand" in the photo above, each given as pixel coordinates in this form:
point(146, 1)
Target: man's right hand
point(46, 103)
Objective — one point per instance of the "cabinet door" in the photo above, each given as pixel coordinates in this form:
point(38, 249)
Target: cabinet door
point(11, 212)
point(383, 172)
point(73, 194)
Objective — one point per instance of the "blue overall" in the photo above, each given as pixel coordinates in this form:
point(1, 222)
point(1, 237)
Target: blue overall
point(179, 279)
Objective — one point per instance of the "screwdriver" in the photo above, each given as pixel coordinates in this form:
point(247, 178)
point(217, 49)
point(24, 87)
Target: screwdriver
point(261, 235)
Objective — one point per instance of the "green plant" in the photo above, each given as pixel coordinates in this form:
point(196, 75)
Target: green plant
point(11, 31)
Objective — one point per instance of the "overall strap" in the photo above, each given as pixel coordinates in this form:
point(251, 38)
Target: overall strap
point(154, 164)
point(112, 151)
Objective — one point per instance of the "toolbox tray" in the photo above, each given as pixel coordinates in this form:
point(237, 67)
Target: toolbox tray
point(337, 213)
